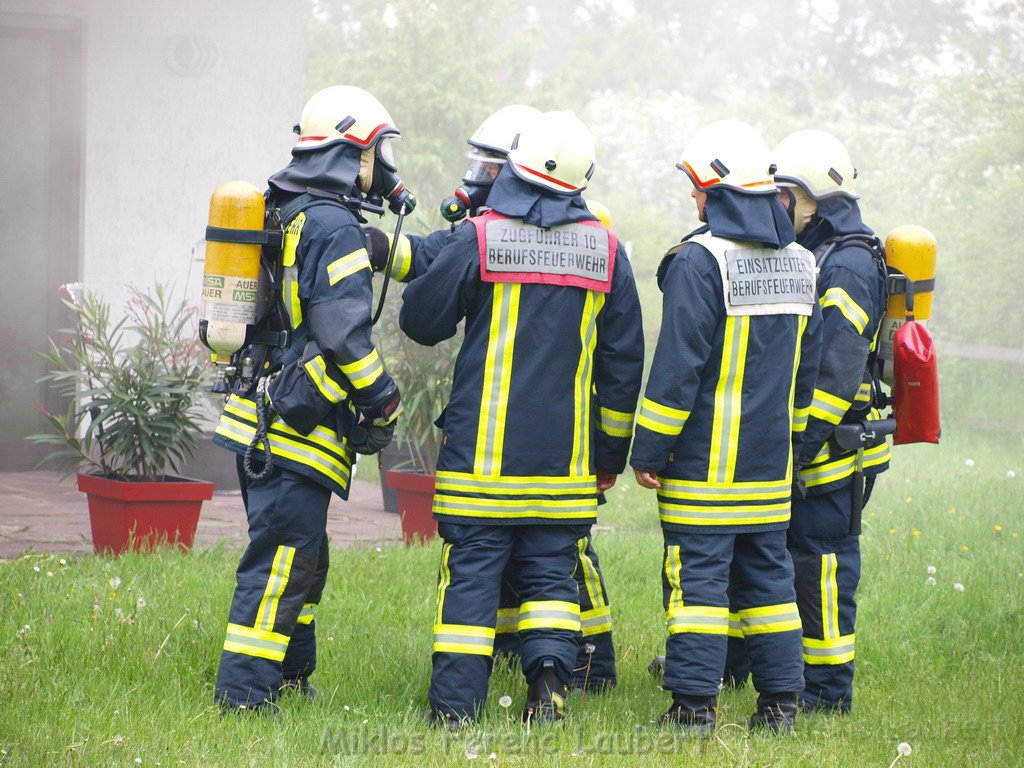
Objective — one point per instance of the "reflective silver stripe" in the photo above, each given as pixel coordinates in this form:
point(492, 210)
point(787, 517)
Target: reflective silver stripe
point(496, 356)
point(783, 616)
point(446, 637)
point(830, 596)
point(584, 378)
point(239, 639)
point(279, 445)
point(823, 402)
point(508, 620)
point(749, 515)
point(539, 486)
point(835, 650)
point(696, 490)
point(347, 265)
point(840, 299)
point(615, 423)
point(596, 621)
point(710, 621)
point(362, 373)
point(725, 425)
point(658, 421)
point(525, 508)
point(547, 618)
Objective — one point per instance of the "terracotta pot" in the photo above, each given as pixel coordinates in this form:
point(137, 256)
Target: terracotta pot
point(143, 515)
point(415, 504)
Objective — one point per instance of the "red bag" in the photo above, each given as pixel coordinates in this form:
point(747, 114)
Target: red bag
point(915, 387)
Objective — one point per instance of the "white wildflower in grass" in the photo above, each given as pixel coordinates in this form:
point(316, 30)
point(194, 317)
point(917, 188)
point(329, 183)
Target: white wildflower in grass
point(49, 573)
point(931, 570)
point(36, 568)
point(969, 463)
point(930, 581)
point(115, 582)
point(492, 756)
point(141, 602)
point(1011, 474)
point(589, 648)
point(471, 754)
point(378, 549)
point(138, 760)
point(63, 561)
point(119, 614)
point(505, 701)
point(904, 749)
point(24, 631)
point(347, 708)
point(958, 587)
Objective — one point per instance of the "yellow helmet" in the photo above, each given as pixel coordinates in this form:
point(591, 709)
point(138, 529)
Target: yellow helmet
point(554, 152)
point(817, 162)
point(730, 154)
point(601, 211)
point(343, 113)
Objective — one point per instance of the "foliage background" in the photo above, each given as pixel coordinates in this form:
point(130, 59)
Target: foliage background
point(928, 95)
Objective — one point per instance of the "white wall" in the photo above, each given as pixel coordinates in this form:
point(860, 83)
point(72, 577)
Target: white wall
point(157, 139)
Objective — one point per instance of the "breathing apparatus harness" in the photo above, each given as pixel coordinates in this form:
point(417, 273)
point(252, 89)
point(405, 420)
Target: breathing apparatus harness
point(271, 343)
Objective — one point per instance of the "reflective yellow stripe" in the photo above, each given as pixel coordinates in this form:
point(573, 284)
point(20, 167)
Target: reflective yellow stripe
point(726, 426)
point(699, 619)
point(696, 490)
point(508, 621)
point(735, 627)
point(673, 569)
point(661, 418)
point(465, 506)
point(317, 370)
point(348, 265)
point(596, 621)
point(583, 383)
point(839, 650)
point(769, 618)
point(841, 300)
point(838, 469)
point(684, 514)
point(511, 485)
point(403, 257)
point(306, 615)
point(444, 578)
point(325, 438)
point(290, 273)
point(591, 578)
point(615, 423)
point(497, 377)
point(549, 614)
point(800, 416)
point(255, 642)
point(463, 638)
point(829, 596)
point(281, 568)
point(828, 407)
point(364, 372)
point(863, 393)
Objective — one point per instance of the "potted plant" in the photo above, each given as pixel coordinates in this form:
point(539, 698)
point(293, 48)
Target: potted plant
point(424, 374)
point(134, 390)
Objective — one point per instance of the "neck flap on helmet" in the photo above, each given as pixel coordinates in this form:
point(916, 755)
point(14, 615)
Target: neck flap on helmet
point(331, 169)
point(514, 197)
point(837, 215)
point(757, 218)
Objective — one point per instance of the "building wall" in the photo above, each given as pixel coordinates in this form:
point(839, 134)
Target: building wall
point(178, 98)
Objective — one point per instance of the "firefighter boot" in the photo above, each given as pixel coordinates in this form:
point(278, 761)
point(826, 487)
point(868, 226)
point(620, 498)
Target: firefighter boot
point(657, 667)
point(775, 712)
point(694, 715)
point(545, 699)
point(300, 685)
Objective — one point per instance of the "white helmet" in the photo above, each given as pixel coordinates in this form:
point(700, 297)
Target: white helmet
point(496, 134)
point(555, 152)
point(343, 113)
point(817, 162)
point(730, 154)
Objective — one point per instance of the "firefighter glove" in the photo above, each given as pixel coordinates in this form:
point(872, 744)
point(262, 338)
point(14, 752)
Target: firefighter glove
point(368, 438)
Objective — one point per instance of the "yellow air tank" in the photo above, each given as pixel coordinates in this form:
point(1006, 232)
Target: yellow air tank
point(231, 275)
point(911, 250)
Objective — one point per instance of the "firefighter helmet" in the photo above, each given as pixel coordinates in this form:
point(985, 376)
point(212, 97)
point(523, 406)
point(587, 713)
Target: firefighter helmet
point(817, 162)
point(729, 154)
point(496, 134)
point(343, 113)
point(555, 151)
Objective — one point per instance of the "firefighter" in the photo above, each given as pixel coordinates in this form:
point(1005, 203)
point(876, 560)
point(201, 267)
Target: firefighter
point(489, 147)
point(734, 366)
point(539, 420)
point(324, 395)
point(816, 179)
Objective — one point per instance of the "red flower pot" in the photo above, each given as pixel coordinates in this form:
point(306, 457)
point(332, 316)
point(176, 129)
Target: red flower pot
point(415, 504)
point(143, 515)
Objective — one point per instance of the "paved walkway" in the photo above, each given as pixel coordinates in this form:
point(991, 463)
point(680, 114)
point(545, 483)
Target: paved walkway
point(38, 512)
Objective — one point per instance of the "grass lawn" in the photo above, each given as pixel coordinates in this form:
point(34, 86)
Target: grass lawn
point(112, 661)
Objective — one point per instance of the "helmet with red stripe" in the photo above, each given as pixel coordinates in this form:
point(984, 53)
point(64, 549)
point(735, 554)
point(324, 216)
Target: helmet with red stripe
point(555, 151)
point(343, 113)
point(729, 154)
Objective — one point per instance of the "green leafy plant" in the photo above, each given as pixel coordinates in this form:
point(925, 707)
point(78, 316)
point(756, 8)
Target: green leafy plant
point(133, 387)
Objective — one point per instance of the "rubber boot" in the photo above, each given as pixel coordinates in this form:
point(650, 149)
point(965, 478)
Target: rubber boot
point(300, 685)
point(694, 715)
point(657, 667)
point(776, 712)
point(545, 699)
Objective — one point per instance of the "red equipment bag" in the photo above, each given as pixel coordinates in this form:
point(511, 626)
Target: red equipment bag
point(915, 387)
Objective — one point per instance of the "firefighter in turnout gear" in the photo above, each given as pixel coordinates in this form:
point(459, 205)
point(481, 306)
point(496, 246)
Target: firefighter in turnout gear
point(540, 414)
point(489, 147)
point(816, 175)
point(321, 395)
point(717, 428)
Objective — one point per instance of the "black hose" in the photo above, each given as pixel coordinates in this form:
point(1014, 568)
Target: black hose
point(387, 268)
point(259, 437)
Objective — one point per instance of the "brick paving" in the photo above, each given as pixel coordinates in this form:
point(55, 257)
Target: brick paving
point(40, 513)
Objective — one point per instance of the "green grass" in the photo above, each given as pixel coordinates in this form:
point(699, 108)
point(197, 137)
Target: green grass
point(100, 679)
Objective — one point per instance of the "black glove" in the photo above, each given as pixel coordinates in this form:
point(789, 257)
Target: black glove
point(377, 247)
point(368, 438)
point(799, 491)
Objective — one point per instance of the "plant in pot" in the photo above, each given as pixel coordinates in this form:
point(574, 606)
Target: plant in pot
point(134, 390)
point(407, 467)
